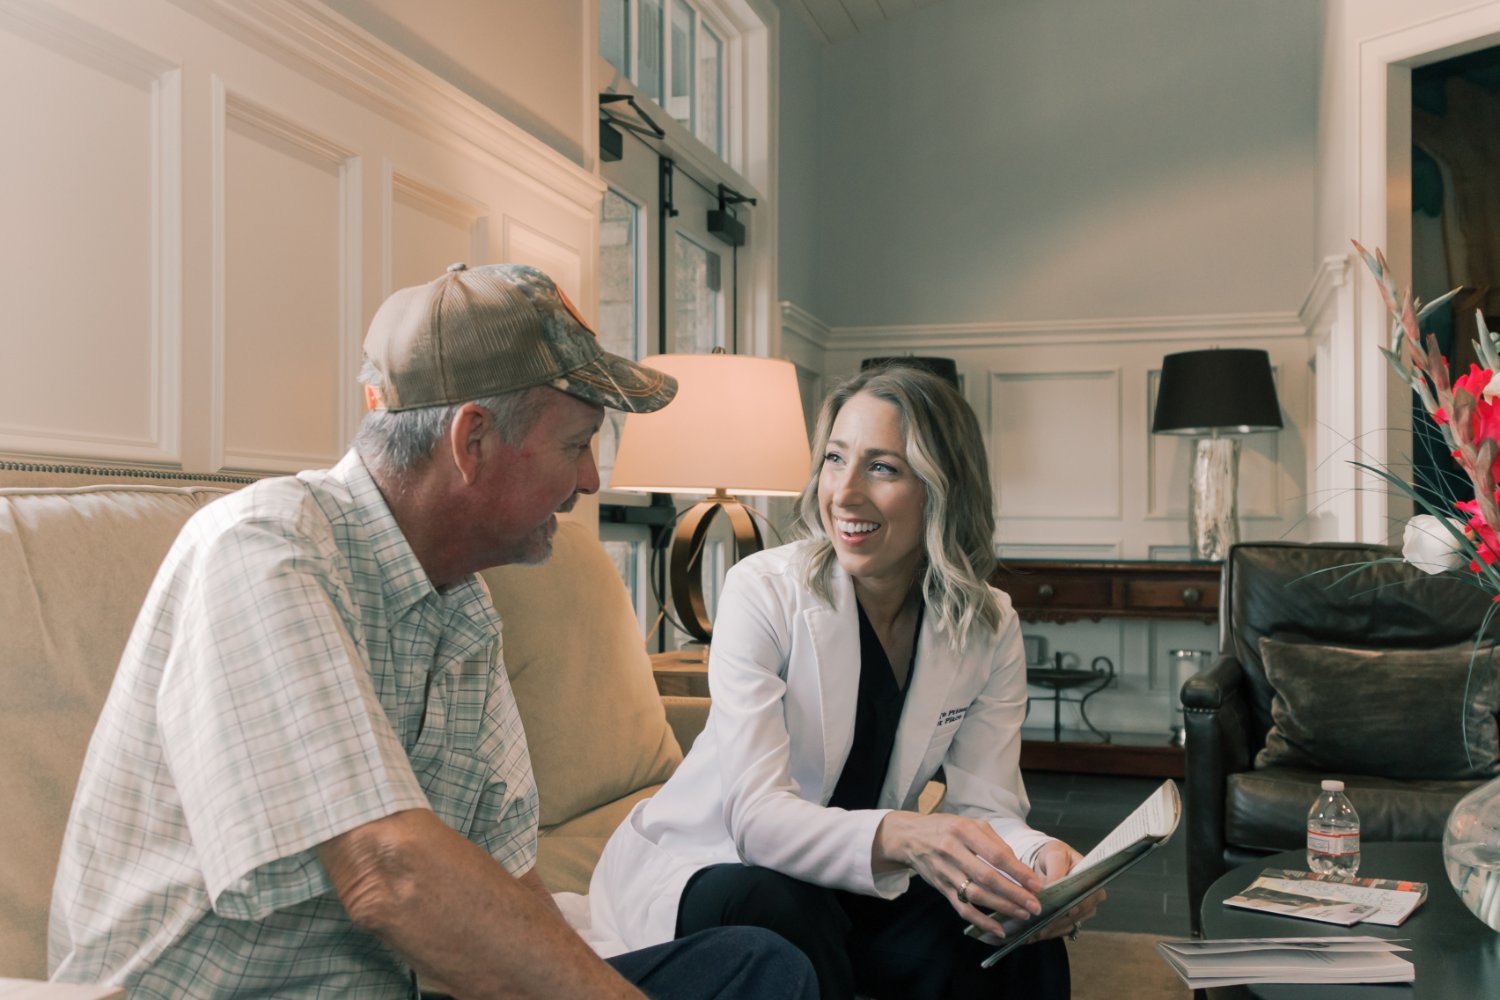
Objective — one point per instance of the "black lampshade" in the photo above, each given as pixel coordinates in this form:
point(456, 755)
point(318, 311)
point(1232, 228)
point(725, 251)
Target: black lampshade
point(945, 368)
point(1229, 391)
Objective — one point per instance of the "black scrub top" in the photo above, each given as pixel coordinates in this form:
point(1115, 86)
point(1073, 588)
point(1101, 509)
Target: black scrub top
point(877, 713)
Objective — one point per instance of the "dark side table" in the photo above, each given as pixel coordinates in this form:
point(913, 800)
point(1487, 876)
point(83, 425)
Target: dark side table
point(1455, 954)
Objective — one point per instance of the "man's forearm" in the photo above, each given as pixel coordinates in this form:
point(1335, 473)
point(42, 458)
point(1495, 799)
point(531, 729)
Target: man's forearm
point(456, 915)
point(533, 881)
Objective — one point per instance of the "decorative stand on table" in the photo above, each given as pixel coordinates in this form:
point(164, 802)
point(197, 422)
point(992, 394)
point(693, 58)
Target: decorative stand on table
point(1060, 679)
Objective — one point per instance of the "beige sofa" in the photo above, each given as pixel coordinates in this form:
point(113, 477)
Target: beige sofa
point(75, 563)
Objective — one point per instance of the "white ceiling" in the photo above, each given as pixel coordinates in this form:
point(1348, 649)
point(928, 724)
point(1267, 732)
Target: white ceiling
point(835, 20)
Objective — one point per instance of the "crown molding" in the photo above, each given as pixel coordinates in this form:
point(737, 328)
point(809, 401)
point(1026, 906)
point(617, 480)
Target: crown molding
point(325, 45)
point(1219, 327)
point(804, 326)
point(1333, 273)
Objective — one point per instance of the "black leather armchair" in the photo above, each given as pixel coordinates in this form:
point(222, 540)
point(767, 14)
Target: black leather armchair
point(1236, 813)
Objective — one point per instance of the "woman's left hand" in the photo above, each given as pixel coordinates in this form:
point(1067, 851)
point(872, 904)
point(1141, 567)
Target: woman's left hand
point(1052, 862)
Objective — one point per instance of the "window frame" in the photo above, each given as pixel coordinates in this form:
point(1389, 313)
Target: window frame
point(746, 32)
point(708, 18)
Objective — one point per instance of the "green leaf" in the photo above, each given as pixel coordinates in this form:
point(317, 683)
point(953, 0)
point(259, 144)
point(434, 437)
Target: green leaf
point(1430, 306)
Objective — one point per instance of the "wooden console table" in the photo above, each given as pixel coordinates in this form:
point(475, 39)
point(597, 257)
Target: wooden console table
point(1059, 590)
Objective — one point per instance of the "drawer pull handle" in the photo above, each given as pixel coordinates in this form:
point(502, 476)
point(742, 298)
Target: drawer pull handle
point(1045, 591)
point(1191, 595)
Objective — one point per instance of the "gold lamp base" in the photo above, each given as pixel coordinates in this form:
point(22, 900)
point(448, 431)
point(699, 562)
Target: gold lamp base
point(686, 569)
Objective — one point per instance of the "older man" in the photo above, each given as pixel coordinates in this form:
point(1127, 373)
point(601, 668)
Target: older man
point(310, 778)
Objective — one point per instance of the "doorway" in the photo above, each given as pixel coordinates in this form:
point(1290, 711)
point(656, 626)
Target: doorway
point(1455, 227)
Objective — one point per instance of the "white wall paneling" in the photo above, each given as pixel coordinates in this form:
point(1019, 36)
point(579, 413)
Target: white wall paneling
point(803, 339)
point(1332, 511)
point(1067, 405)
point(428, 223)
point(525, 244)
point(222, 194)
point(324, 48)
point(90, 247)
point(1055, 550)
point(1044, 465)
point(287, 214)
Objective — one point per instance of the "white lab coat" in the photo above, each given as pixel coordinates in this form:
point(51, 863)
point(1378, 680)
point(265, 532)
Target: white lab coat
point(784, 677)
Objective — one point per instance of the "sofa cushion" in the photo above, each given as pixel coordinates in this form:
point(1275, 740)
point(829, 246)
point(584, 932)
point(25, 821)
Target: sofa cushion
point(1267, 810)
point(582, 678)
point(1404, 713)
point(75, 565)
point(567, 852)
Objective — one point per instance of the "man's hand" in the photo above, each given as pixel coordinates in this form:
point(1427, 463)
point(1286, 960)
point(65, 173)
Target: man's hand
point(965, 860)
point(458, 916)
point(1053, 861)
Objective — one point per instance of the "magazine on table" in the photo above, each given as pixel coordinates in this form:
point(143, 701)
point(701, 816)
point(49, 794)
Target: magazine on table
point(1334, 899)
point(1145, 829)
point(1207, 964)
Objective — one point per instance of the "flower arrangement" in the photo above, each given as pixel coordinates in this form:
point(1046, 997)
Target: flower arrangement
point(1466, 410)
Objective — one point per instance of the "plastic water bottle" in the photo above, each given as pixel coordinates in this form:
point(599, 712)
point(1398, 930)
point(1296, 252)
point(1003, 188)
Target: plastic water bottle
point(1333, 832)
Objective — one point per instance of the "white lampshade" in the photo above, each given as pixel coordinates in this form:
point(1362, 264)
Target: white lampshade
point(735, 425)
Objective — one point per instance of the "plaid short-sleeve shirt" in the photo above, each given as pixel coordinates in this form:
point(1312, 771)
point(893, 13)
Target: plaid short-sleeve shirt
point(292, 675)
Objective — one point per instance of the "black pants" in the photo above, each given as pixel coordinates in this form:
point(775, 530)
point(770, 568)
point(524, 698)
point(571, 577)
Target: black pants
point(909, 948)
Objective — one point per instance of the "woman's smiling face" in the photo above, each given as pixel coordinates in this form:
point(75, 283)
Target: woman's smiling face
point(870, 499)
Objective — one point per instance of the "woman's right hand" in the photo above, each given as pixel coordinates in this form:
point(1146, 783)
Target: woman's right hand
point(965, 860)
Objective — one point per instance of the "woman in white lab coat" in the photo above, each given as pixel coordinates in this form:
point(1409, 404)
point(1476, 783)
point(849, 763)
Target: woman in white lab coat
point(846, 668)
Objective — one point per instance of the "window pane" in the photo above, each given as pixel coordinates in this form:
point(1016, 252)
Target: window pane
point(698, 299)
point(630, 560)
point(649, 66)
point(614, 33)
point(684, 34)
point(711, 91)
point(619, 304)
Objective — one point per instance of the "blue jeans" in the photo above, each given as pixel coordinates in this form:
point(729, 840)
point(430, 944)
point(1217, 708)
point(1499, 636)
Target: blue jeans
point(732, 963)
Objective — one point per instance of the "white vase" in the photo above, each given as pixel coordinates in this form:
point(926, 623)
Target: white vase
point(1471, 851)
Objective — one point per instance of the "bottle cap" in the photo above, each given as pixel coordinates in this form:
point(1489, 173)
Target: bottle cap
point(1332, 785)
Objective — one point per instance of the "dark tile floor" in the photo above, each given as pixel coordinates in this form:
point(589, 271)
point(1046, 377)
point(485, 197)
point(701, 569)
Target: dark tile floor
point(1081, 809)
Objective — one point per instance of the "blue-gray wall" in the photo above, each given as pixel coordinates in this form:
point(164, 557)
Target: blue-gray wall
point(798, 182)
point(982, 161)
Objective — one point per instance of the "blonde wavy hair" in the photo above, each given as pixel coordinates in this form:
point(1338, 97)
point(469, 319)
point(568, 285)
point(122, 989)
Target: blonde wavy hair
point(947, 453)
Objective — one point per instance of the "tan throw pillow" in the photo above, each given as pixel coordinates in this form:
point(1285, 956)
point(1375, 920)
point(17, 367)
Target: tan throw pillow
point(582, 678)
point(1399, 713)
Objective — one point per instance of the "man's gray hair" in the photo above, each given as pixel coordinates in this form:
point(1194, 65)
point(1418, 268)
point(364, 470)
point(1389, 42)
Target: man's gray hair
point(392, 444)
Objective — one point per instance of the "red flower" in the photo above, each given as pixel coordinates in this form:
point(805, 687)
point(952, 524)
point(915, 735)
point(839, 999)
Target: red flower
point(1487, 544)
point(1474, 382)
point(1441, 415)
point(1486, 422)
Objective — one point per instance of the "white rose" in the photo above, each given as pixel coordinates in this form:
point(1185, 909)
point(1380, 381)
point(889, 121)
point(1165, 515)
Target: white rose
point(1428, 543)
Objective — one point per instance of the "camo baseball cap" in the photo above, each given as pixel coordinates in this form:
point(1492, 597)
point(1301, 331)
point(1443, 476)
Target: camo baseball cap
point(482, 331)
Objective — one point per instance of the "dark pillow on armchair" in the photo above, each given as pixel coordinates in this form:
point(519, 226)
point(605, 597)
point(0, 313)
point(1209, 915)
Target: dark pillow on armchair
point(1395, 713)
